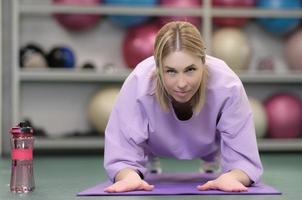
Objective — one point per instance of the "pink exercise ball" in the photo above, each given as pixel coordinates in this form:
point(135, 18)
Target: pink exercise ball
point(181, 4)
point(232, 21)
point(138, 43)
point(284, 113)
point(77, 22)
point(293, 51)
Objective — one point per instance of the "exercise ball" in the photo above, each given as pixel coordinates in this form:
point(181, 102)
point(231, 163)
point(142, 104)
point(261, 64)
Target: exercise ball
point(180, 4)
point(130, 20)
point(61, 57)
point(232, 46)
point(138, 43)
point(284, 113)
point(77, 22)
point(293, 51)
point(232, 21)
point(259, 117)
point(100, 107)
point(279, 26)
point(32, 56)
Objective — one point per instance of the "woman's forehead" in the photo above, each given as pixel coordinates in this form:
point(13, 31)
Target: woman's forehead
point(180, 58)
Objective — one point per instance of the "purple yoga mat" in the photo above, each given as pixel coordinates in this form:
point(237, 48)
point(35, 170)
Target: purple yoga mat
point(179, 184)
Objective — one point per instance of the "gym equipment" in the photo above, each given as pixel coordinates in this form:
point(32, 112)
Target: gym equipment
point(100, 107)
point(77, 22)
point(32, 56)
point(138, 43)
point(284, 113)
point(61, 57)
point(181, 4)
point(232, 21)
point(130, 20)
point(232, 46)
point(279, 26)
point(259, 117)
point(293, 51)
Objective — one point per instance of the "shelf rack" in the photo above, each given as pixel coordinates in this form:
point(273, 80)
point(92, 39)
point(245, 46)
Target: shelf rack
point(207, 12)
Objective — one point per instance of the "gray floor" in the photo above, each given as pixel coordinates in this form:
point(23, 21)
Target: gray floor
point(62, 177)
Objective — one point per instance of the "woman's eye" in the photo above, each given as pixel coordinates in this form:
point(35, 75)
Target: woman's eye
point(170, 71)
point(191, 69)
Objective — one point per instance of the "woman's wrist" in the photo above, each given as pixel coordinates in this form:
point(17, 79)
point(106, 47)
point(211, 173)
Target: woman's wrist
point(241, 176)
point(127, 172)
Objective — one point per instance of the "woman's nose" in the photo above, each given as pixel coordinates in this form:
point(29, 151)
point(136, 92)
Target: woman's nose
point(181, 82)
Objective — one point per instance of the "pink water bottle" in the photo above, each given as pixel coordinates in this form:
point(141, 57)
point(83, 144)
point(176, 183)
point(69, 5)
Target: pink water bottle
point(22, 143)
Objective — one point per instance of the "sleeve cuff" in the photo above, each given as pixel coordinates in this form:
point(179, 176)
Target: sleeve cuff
point(140, 174)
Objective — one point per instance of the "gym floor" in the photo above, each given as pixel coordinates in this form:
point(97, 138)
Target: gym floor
point(62, 177)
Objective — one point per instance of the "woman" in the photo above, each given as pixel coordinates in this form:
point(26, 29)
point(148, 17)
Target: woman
point(184, 104)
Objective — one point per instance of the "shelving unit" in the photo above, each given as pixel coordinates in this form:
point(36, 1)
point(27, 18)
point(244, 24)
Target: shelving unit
point(1, 76)
point(24, 79)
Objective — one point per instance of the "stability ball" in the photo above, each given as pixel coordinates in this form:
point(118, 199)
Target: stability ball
point(138, 43)
point(77, 22)
point(232, 46)
point(61, 57)
point(284, 113)
point(181, 4)
point(232, 21)
point(279, 26)
point(259, 117)
point(32, 56)
point(130, 20)
point(100, 107)
point(293, 51)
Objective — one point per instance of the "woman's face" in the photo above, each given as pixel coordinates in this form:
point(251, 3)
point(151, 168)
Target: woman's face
point(182, 75)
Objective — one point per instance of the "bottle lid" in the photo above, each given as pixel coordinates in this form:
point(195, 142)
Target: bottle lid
point(22, 130)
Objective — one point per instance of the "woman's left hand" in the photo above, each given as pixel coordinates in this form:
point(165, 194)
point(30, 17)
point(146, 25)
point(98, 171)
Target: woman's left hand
point(225, 182)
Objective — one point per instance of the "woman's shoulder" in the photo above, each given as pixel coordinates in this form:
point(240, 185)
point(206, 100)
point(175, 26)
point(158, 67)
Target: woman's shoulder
point(145, 67)
point(141, 76)
point(221, 76)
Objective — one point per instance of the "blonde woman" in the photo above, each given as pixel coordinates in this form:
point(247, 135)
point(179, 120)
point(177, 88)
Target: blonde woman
point(184, 104)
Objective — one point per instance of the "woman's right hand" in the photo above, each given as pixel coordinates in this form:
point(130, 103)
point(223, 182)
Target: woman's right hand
point(128, 180)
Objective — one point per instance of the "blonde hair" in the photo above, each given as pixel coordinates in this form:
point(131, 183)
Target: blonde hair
point(176, 36)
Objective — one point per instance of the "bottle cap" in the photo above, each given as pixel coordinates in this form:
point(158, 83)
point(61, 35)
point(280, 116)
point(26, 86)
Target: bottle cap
point(22, 130)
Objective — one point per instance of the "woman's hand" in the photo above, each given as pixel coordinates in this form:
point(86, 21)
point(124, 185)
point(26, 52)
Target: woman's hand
point(128, 180)
point(233, 181)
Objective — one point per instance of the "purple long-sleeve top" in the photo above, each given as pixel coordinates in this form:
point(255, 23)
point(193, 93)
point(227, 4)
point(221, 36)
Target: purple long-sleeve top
point(138, 127)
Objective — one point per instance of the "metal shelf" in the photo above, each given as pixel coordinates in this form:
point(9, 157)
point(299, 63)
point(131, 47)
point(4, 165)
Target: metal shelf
point(65, 75)
point(157, 11)
point(280, 144)
point(97, 143)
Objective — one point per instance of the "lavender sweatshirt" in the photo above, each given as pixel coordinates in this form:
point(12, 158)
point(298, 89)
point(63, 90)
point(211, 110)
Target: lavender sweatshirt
point(138, 128)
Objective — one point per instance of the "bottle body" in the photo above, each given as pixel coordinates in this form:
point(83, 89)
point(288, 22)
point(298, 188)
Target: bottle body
point(22, 175)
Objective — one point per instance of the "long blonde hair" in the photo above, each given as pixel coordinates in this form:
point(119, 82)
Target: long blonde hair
point(176, 36)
